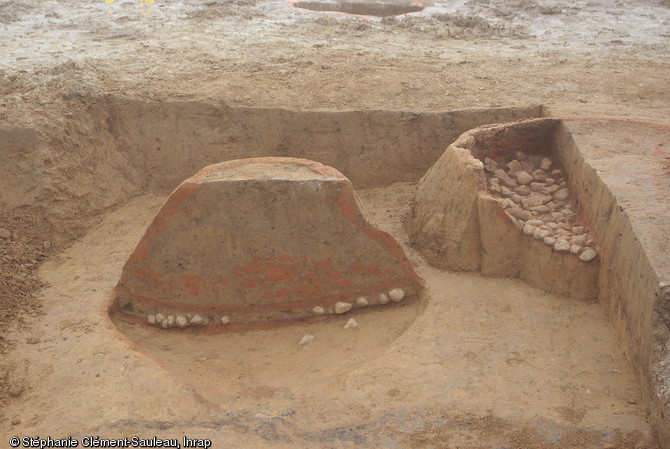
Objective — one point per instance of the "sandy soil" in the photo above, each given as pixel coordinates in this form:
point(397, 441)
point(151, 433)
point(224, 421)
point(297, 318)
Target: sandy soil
point(480, 363)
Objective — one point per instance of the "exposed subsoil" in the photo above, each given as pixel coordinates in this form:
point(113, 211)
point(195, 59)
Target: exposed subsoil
point(526, 369)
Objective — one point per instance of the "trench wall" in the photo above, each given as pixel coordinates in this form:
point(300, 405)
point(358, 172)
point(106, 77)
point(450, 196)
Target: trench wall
point(631, 292)
point(104, 150)
point(457, 225)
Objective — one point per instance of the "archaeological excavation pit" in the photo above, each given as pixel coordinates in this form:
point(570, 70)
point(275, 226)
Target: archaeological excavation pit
point(317, 277)
point(384, 8)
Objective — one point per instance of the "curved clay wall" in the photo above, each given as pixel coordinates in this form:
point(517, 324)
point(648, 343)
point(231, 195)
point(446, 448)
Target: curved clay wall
point(457, 224)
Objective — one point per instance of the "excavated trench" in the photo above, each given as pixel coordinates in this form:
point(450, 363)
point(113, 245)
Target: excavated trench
point(508, 201)
point(362, 8)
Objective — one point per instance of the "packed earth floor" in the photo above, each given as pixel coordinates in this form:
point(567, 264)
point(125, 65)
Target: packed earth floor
point(480, 363)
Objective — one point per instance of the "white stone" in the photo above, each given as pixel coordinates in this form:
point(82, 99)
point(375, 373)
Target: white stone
point(550, 241)
point(588, 255)
point(318, 310)
point(567, 211)
point(535, 222)
point(160, 317)
point(540, 233)
point(225, 320)
point(306, 339)
point(181, 321)
point(396, 295)
point(514, 167)
point(552, 225)
point(351, 323)
point(578, 240)
point(549, 182)
point(561, 194)
point(342, 307)
point(362, 301)
point(524, 177)
point(545, 163)
point(575, 249)
point(529, 229)
point(578, 230)
point(383, 298)
point(151, 319)
point(197, 320)
point(518, 213)
point(170, 320)
point(562, 245)
point(522, 190)
point(556, 173)
point(536, 186)
point(505, 179)
point(164, 324)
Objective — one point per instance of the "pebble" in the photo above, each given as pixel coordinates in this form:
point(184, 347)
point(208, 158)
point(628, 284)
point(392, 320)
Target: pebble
point(578, 240)
point(535, 222)
point(561, 194)
point(537, 198)
point(575, 249)
point(396, 295)
point(362, 301)
point(518, 213)
point(489, 161)
point(151, 319)
point(505, 179)
point(306, 339)
point(550, 241)
point(197, 320)
point(318, 310)
point(164, 324)
point(545, 163)
point(562, 245)
point(507, 193)
point(514, 167)
point(541, 208)
point(537, 186)
point(490, 168)
point(225, 320)
point(5, 233)
point(16, 422)
point(524, 177)
point(588, 255)
point(540, 233)
point(529, 229)
point(160, 317)
point(517, 198)
point(549, 181)
point(170, 320)
point(522, 190)
point(181, 321)
point(383, 298)
point(578, 230)
point(342, 307)
point(552, 225)
point(567, 211)
point(15, 389)
point(556, 173)
point(351, 323)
